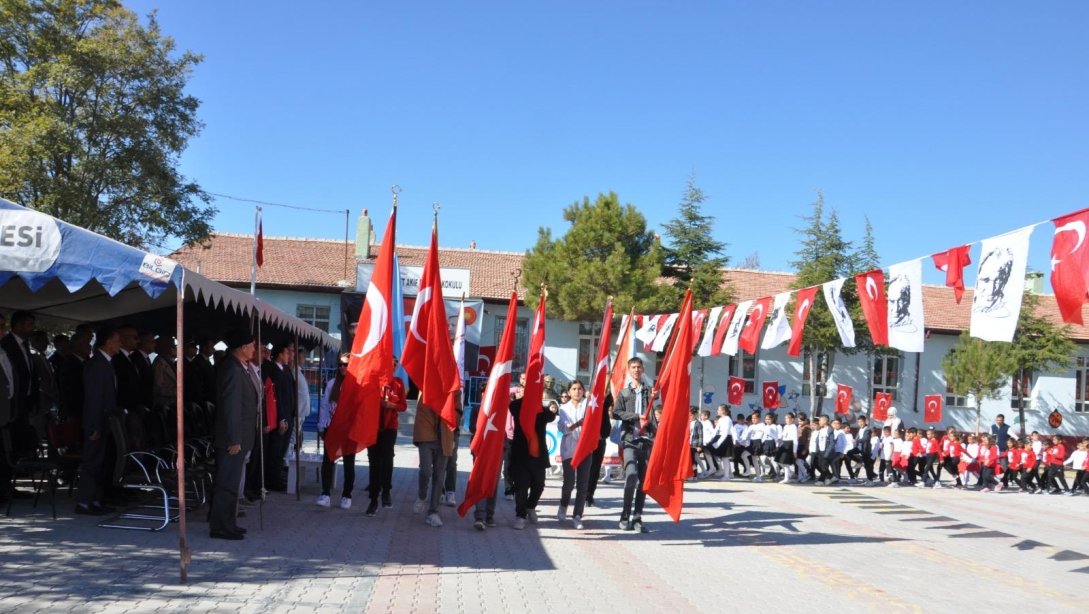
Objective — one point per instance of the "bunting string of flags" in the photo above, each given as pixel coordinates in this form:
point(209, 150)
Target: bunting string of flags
point(892, 304)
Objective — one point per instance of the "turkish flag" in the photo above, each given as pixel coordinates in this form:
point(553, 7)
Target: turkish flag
point(698, 317)
point(534, 389)
point(802, 305)
point(624, 353)
point(750, 335)
point(875, 306)
point(491, 419)
point(932, 411)
point(952, 262)
point(843, 399)
point(271, 411)
point(735, 394)
point(723, 328)
point(771, 395)
point(881, 403)
point(428, 355)
point(1070, 264)
point(355, 423)
point(599, 387)
point(259, 247)
point(671, 459)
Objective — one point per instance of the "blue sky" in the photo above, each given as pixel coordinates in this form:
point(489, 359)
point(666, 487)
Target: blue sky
point(944, 122)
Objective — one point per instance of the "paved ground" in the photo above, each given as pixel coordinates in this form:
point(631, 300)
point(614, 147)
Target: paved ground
point(740, 546)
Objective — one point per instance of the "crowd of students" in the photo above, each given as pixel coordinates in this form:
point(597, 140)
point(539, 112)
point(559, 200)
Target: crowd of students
point(759, 448)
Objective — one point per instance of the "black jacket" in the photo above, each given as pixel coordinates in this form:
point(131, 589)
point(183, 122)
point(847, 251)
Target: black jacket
point(519, 447)
point(626, 410)
point(99, 394)
point(236, 405)
point(24, 385)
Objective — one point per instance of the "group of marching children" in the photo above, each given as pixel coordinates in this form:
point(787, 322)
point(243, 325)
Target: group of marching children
point(757, 447)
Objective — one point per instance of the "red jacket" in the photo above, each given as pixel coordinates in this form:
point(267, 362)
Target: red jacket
point(393, 393)
point(954, 450)
point(988, 456)
point(1056, 455)
point(1028, 458)
point(1014, 459)
point(916, 447)
point(933, 446)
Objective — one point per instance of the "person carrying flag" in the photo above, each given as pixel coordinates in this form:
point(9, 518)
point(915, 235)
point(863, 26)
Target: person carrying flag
point(637, 430)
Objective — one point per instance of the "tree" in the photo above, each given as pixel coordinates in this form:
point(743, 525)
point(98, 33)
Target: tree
point(977, 368)
point(93, 119)
point(606, 251)
point(693, 257)
point(1039, 345)
point(823, 255)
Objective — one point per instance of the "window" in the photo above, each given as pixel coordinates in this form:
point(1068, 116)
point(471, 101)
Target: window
point(1021, 389)
point(744, 366)
point(1081, 385)
point(953, 399)
point(521, 341)
point(822, 372)
point(314, 315)
point(886, 374)
point(589, 333)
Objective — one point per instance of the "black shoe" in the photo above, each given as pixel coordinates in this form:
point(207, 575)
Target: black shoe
point(372, 509)
point(489, 521)
point(226, 535)
point(239, 530)
point(387, 501)
point(89, 510)
point(105, 509)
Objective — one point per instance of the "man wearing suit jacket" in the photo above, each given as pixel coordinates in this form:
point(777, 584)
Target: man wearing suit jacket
point(70, 377)
point(279, 370)
point(235, 428)
point(99, 404)
point(7, 415)
point(128, 376)
point(142, 359)
point(16, 345)
point(204, 374)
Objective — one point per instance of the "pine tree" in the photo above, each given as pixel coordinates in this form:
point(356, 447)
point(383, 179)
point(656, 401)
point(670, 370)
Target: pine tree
point(694, 258)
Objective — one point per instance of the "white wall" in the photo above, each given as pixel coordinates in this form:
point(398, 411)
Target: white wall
point(288, 300)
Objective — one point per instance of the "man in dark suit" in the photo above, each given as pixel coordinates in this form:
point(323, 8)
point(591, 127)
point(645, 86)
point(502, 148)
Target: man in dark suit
point(142, 359)
point(204, 374)
point(128, 377)
point(280, 371)
point(99, 404)
point(7, 415)
point(70, 377)
point(16, 344)
point(235, 429)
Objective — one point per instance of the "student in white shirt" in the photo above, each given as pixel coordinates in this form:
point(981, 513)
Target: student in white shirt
point(788, 448)
point(722, 442)
point(769, 445)
point(750, 438)
point(741, 447)
point(887, 446)
point(840, 443)
point(571, 415)
point(709, 458)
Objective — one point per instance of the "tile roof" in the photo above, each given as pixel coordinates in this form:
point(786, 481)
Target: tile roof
point(323, 264)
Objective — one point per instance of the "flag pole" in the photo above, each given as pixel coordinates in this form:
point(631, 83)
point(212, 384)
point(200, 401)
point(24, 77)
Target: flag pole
point(297, 425)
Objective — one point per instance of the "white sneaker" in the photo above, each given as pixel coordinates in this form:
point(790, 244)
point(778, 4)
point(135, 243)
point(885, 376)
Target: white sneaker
point(895, 485)
point(937, 485)
point(433, 520)
point(450, 500)
point(419, 506)
point(784, 480)
point(999, 487)
point(519, 523)
point(345, 503)
point(562, 514)
point(531, 515)
point(324, 501)
point(577, 523)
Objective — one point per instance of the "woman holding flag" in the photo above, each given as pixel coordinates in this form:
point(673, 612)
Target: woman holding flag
point(572, 415)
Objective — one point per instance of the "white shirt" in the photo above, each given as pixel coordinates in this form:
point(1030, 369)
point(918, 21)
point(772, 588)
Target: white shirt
point(327, 407)
point(739, 433)
point(708, 431)
point(790, 434)
point(755, 432)
point(570, 413)
point(1076, 460)
point(772, 432)
point(823, 434)
point(303, 391)
point(849, 441)
point(813, 445)
point(723, 428)
point(1037, 447)
point(875, 446)
point(888, 446)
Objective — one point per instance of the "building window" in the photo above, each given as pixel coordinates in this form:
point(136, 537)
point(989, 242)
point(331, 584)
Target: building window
point(886, 374)
point(822, 372)
point(589, 333)
point(1021, 389)
point(521, 342)
point(953, 399)
point(744, 366)
point(1081, 379)
point(314, 315)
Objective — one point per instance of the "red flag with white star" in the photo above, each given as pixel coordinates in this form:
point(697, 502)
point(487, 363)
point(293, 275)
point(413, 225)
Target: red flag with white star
point(1070, 264)
point(875, 305)
point(534, 389)
point(599, 387)
point(735, 394)
point(771, 395)
point(843, 399)
point(952, 263)
point(723, 328)
point(932, 411)
point(881, 403)
point(750, 335)
point(491, 419)
point(802, 305)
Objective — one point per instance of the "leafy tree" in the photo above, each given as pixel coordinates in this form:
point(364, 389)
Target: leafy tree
point(93, 118)
point(606, 251)
point(1039, 345)
point(693, 257)
point(823, 255)
point(977, 368)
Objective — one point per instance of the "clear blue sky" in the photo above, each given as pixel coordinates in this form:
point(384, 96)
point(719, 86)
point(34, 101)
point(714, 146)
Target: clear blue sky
point(944, 122)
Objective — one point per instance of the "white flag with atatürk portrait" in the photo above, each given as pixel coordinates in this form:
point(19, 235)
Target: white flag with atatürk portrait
point(729, 347)
point(906, 306)
point(1000, 286)
point(833, 296)
point(779, 330)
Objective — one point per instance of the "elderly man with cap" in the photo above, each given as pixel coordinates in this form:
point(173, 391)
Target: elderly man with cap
point(236, 398)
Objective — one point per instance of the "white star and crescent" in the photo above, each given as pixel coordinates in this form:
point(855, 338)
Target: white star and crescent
point(1076, 226)
point(421, 300)
point(871, 285)
point(378, 321)
point(487, 405)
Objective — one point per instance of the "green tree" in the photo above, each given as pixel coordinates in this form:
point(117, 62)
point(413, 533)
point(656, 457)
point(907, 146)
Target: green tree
point(93, 119)
point(823, 255)
point(1039, 345)
point(977, 368)
point(693, 257)
point(606, 251)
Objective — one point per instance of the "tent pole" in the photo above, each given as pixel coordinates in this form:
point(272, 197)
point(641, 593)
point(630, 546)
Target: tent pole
point(261, 430)
point(183, 545)
point(298, 425)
